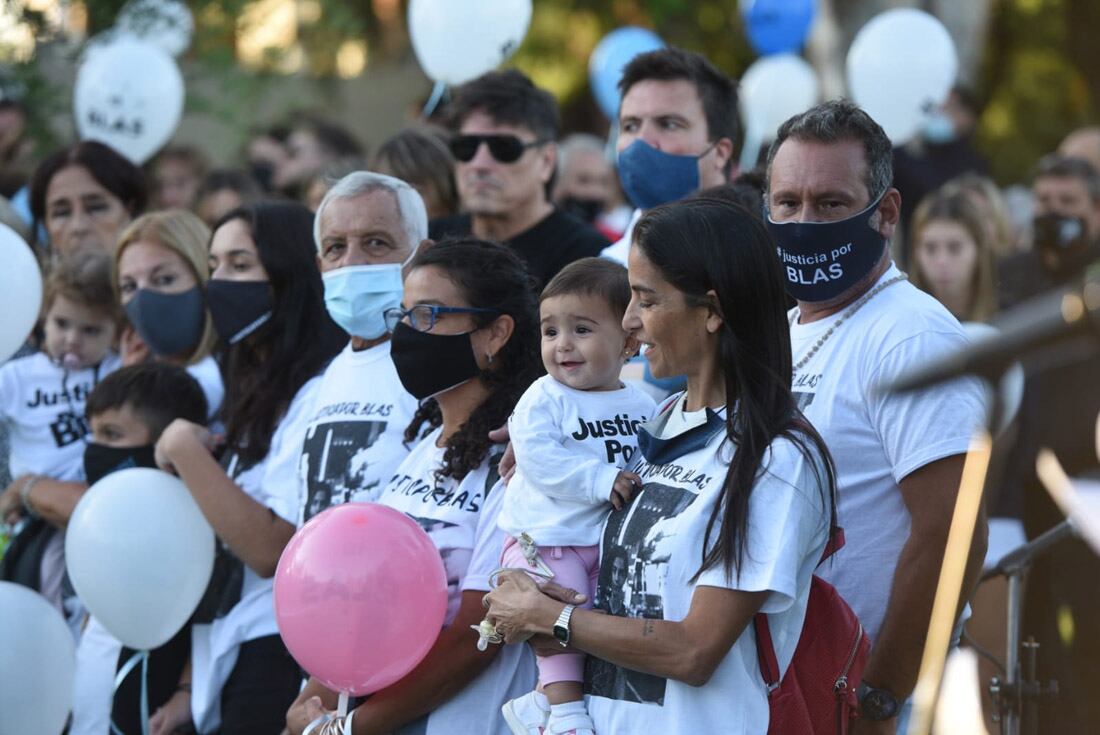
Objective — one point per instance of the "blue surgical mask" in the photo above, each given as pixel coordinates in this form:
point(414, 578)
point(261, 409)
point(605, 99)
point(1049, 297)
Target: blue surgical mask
point(938, 128)
point(822, 260)
point(357, 295)
point(651, 177)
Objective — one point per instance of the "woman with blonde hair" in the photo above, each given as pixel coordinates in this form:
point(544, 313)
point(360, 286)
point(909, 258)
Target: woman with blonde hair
point(953, 259)
point(983, 192)
point(161, 267)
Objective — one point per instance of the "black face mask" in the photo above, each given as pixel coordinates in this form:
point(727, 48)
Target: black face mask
point(101, 460)
point(429, 364)
point(1062, 244)
point(586, 210)
point(264, 174)
point(171, 324)
point(238, 308)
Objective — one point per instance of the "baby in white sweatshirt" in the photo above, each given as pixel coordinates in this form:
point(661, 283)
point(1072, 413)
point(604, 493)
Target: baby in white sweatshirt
point(572, 431)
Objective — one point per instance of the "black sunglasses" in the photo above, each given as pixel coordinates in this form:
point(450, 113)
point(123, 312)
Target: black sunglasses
point(504, 148)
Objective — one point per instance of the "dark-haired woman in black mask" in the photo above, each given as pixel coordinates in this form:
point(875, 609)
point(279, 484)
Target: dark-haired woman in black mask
point(465, 342)
point(266, 301)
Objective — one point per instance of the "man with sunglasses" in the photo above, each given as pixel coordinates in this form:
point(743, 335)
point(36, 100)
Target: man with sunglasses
point(505, 154)
point(677, 131)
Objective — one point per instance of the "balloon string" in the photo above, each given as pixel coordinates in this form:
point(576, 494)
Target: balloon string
point(141, 657)
point(433, 100)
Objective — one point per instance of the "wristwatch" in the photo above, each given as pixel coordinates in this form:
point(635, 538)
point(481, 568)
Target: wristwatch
point(561, 626)
point(876, 704)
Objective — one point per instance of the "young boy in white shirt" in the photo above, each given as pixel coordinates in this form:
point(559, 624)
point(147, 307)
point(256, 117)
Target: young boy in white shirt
point(127, 413)
point(572, 431)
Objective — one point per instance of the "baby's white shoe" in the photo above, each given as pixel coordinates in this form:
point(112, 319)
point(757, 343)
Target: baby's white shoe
point(527, 715)
point(570, 718)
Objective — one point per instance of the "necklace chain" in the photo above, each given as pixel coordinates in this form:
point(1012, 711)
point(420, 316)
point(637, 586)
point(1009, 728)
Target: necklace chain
point(851, 310)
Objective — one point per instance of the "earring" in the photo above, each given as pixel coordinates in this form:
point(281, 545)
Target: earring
point(489, 356)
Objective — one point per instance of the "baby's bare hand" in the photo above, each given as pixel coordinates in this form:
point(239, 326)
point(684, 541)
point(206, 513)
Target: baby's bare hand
point(624, 488)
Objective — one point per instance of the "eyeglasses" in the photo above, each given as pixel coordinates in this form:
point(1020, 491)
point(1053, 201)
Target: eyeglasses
point(504, 148)
point(422, 317)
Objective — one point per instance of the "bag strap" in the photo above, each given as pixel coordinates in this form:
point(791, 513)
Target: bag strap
point(765, 652)
point(833, 545)
point(765, 649)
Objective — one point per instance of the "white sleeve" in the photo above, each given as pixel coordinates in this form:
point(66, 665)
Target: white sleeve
point(281, 483)
point(488, 541)
point(786, 531)
point(9, 390)
point(546, 464)
point(920, 427)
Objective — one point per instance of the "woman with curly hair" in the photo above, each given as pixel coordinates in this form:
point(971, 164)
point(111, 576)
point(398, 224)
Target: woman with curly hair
point(466, 344)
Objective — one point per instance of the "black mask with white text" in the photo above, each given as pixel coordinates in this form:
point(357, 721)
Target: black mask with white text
point(822, 260)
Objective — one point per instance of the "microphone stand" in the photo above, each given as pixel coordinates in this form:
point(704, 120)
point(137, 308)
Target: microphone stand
point(1016, 698)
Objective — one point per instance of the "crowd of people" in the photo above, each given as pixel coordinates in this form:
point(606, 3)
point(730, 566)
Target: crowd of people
point(642, 381)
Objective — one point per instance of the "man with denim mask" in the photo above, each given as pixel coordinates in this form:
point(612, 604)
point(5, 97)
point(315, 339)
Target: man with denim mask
point(677, 131)
point(368, 227)
point(505, 156)
point(858, 325)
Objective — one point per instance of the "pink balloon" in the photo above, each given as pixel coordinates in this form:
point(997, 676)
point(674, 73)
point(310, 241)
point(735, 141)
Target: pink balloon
point(360, 596)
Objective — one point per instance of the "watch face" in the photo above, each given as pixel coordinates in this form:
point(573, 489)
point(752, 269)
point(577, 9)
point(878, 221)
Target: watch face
point(879, 705)
point(561, 633)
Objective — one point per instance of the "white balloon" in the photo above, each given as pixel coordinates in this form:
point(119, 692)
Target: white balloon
point(20, 291)
point(140, 555)
point(1011, 387)
point(129, 95)
point(457, 40)
point(36, 680)
point(773, 89)
point(901, 65)
point(166, 24)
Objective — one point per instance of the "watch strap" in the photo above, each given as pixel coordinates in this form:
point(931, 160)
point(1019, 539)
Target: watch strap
point(562, 624)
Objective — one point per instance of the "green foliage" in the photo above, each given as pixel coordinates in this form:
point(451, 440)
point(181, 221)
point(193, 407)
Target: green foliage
point(1034, 85)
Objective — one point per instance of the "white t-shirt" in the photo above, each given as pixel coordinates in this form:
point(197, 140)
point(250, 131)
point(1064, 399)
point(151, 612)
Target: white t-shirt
point(877, 438)
point(653, 547)
point(620, 249)
point(43, 405)
point(461, 519)
point(570, 446)
point(93, 691)
point(209, 377)
point(247, 610)
point(355, 438)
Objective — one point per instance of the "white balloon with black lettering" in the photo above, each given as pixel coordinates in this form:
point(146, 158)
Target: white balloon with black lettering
point(39, 660)
point(128, 94)
point(457, 40)
point(20, 291)
point(140, 555)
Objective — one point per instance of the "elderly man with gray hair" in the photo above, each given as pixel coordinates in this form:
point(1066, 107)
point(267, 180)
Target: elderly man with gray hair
point(367, 228)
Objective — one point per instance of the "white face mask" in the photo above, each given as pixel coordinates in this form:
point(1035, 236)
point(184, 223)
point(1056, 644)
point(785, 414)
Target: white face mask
point(357, 296)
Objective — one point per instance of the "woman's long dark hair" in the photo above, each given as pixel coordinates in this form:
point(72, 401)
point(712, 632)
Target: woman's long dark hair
point(706, 245)
point(490, 276)
point(264, 371)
